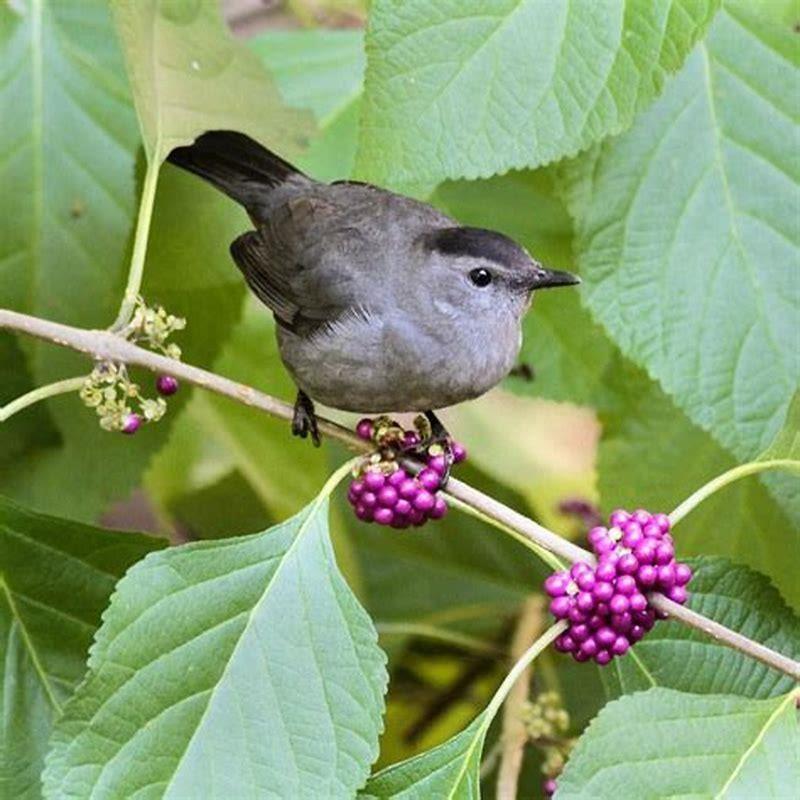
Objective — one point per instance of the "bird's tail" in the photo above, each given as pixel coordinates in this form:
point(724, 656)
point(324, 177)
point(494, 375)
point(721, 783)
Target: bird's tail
point(237, 165)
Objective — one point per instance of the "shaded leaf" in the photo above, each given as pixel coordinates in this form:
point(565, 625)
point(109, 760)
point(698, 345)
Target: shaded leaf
point(207, 647)
point(463, 90)
point(663, 743)
point(55, 580)
point(687, 235)
point(678, 657)
point(189, 75)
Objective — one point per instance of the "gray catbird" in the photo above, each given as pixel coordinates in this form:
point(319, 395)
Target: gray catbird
point(382, 303)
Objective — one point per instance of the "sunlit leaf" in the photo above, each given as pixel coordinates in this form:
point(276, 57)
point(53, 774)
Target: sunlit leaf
point(688, 236)
point(462, 89)
point(663, 743)
point(237, 668)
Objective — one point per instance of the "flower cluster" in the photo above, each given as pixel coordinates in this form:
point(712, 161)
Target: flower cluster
point(384, 492)
point(109, 390)
point(606, 605)
point(547, 722)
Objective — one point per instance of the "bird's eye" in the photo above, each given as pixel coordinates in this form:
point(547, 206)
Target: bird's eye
point(480, 277)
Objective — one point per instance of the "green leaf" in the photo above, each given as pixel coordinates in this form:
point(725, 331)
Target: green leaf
point(651, 455)
point(663, 743)
point(567, 351)
point(189, 75)
point(450, 770)
point(55, 580)
point(235, 668)
point(678, 657)
point(67, 171)
point(687, 235)
point(322, 70)
point(459, 89)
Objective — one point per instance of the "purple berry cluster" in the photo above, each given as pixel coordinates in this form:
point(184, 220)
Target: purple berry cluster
point(385, 493)
point(606, 605)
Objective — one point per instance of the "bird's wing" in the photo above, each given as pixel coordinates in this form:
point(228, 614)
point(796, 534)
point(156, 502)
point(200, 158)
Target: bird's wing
point(303, 263)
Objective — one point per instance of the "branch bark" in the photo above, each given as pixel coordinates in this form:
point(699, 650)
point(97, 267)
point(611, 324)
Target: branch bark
point(105, 345)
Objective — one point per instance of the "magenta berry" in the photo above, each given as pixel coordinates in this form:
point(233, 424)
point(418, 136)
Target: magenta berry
point(365, 428)
point(429, 479)
point(387, 497)
point(549, 787)
point(167, 385)
point(603, 591)
point(374, 480)
point(131, 424)
point(683, 574)
point(556, 584)
point(459, 452)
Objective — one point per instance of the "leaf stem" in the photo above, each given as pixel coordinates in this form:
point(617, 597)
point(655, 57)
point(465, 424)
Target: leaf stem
point(734, 474)
point(544, 641)
point(136, 270)
point(40, 393)
point(109, 346)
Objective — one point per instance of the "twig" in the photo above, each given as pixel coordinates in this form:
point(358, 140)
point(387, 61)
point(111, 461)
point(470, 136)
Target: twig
point(40, 393)
point(105, 345)
point(514, 734)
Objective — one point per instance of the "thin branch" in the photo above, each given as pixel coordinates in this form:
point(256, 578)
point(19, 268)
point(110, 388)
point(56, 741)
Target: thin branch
point(39, 394)
point(105, 345)
point(514, 734)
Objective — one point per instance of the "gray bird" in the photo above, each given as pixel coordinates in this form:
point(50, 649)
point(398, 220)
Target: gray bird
point(382, 303)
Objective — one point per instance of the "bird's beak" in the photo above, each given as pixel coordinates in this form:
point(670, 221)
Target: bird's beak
point(549, 278)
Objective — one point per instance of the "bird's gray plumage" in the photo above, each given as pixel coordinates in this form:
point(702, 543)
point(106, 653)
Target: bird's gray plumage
point(371, 290)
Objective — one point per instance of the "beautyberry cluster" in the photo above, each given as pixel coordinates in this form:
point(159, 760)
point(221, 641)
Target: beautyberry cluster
point(606, 605)
point(384, 492)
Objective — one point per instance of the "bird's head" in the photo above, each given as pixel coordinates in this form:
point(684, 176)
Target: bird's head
point(486, 271)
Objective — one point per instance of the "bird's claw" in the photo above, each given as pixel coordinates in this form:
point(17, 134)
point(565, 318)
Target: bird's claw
point(304, 421)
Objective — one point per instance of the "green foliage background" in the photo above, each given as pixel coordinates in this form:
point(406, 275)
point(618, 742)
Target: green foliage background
point(648, 146)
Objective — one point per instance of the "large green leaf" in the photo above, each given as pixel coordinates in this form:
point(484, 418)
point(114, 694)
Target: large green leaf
point(189, 75)
point(688, 235)
point(663, 743)
point(67, 171)
point(651, 455)
point(461, 89)
point(235, 668)
point(677, 657)
point(55, 580)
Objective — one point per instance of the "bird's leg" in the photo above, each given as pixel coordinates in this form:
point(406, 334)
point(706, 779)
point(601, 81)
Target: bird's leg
point(439, 435)
point(304, 420)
